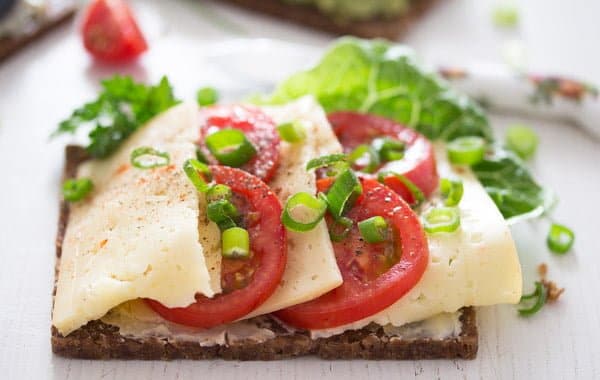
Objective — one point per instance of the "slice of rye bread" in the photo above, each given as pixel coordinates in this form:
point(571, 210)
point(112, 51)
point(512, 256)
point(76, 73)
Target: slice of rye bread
point(55, 17)
point(390, 28)
point(98, 340)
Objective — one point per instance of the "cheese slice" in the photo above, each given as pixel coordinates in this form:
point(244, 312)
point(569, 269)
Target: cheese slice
point(138, 234)
point(311, 268)
point(477, 265)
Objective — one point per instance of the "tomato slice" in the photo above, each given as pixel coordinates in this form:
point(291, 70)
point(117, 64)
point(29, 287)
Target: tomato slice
point(375, 275)
point(110, 31)
point(259, 129)
point(418, 164)
point(247, 283)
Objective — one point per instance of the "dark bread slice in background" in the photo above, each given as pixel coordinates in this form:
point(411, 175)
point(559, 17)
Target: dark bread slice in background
point(308, 15)
point(98, 340)
point(55, 18)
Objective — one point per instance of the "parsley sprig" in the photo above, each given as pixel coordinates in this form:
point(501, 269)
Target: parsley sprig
point(121, 108)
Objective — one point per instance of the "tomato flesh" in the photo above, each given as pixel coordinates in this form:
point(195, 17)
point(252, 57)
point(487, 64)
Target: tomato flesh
point(375, 275)
point(259, 129)
point(418, 163)
point(110, 32)
point(246, 283)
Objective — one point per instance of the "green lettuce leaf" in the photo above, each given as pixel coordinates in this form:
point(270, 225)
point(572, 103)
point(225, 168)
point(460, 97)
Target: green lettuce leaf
point(375, 76)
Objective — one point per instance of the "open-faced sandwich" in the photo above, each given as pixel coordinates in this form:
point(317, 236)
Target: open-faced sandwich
point(247, 231)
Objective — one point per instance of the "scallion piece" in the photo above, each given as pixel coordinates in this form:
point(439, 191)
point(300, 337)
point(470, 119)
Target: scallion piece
point(303, 212)
point(374, 229)
point(357, 156)
point(235, 243)
point(230, 147)
point(223, 213)
point(389, 149)
point(76, 189)
point(522, 140)
point(417, 194)
point(292, 132)
point(539, 295)
point(343, 193)
point(340, 228)
point(218, 192)
point(452, 191)
point(505, 16)
point(323, 161)
point(441, 219)
point(193, 168)
point(207, 96)
point(146, 157)
point(560, 238)
point(466, 150)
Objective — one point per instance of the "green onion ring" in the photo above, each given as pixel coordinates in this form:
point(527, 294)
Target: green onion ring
point(230, 147)
point(223, 213)
point(76, 189)
point(309, 204)
point(235, 243)
point(360, 151)
point(389, 149)
point(192, 169)
point(343, 193)
point(452, 191)
point(218, 192)
point(466, 150)
point(136, 158)
point(540, 296)
point(441, 219)
point(417, 194)
point(374, 229)
point(344, 223)
point(207, 96)
point(292, 132)
point(322, 161)
point(560, 238)
point(522, 140)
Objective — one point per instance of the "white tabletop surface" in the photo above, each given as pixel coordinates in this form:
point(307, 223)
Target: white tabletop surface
point(41, 85)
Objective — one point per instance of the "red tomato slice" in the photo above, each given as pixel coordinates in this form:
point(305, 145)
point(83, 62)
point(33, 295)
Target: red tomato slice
point(247, 283)
point(375, 275)
point(258, 128)
point(418, 164)
point(110, 31)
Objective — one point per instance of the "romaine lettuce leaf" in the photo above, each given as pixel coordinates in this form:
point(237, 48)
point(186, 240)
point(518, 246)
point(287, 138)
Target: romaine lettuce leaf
point(379, 77)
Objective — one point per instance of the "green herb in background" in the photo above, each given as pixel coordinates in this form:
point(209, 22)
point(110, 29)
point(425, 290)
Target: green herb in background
point(207, 96)
point(383, 78)
point(122, 107)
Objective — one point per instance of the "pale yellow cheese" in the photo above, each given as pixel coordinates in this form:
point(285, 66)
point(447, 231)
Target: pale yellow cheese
point(311, 268)
point(475, 266)
point(137, 234)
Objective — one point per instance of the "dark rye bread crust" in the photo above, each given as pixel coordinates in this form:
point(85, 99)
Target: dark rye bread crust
point(98, 340)
point(390, 28)
point(10, 45)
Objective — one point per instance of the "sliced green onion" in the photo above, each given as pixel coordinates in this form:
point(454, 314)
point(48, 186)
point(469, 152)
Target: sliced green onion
point(223, 213)
point(466, 150)
point(340, 228)
point(452, 191)
point(303, 212)
point(146, 157)
point(343, 193)
point(357, 155)
point(235, 243)
point(374, 229)
point(76, 189)
point(389, 149)
point(230, 147)
point(207, 96)
point(539, 295)
point(292, 132)
point(323, 161)
point(192, 169)
point(417, 194)
point(218, 192)
point(201, 157)
point(560, 238)
point(441, 219)
point(505, 16)
point(522, 140)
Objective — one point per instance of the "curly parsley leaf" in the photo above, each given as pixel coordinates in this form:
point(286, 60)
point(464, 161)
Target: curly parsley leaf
point(385, 79)
point(121, 108)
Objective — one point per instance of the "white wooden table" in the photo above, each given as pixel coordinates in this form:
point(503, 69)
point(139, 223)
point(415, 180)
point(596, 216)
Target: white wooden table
point(40, 86)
